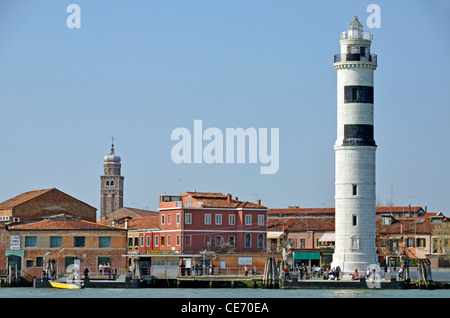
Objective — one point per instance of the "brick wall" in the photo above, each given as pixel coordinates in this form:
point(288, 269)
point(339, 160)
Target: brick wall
point(53, 202)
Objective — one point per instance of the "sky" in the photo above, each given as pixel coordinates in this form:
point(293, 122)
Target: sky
point(138, 70)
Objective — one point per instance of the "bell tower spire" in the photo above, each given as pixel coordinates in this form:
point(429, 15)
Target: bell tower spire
point(111, 184)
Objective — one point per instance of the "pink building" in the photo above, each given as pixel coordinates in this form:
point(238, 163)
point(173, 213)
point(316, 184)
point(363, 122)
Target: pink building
point(194, 222)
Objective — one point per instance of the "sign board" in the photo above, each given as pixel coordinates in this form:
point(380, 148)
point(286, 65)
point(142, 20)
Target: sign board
point(245, 260)
point(14, 243)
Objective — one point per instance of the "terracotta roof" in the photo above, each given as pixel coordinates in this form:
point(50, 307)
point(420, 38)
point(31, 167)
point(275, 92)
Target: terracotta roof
point(27, 196)
point(416, 225)
point(379, 210)
point(149, 222)
point(219, 200)
point(301, 224)
point(143, 222)
point(21, 198)
point(131, 212)
point(67, 224)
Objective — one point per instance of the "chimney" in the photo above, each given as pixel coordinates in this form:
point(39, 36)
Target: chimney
point(228, 197)
point(259, 202)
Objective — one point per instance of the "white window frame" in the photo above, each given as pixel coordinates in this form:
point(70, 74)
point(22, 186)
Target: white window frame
point(188, 218)
point(207, 218)
point(248, 219)
point(231, 219)
point(218, 219)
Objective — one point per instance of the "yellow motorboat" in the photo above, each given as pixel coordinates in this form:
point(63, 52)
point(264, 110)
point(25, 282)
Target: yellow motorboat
point(65, 285)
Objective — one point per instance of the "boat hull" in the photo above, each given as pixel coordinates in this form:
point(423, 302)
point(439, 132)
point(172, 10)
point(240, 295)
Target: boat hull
point(64, 285)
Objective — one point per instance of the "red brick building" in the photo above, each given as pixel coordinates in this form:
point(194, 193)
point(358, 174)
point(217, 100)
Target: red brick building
point(195, 221)
point(30, 206)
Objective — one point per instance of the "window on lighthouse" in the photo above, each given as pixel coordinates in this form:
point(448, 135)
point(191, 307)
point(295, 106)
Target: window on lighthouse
point(355, 189)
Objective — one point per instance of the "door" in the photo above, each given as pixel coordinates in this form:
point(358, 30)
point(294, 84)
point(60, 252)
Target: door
point(15, 262)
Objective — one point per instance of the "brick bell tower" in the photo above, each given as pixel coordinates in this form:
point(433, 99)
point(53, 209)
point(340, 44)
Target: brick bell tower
point(111, 185)
point(355, 152)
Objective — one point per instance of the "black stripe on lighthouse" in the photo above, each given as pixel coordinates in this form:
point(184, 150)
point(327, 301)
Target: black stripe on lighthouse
point(358, 94)
point(358, 135)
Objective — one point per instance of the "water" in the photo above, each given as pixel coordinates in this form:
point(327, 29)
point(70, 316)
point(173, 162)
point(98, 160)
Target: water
point(235, 293)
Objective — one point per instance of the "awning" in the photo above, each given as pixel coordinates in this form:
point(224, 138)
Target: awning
point(327, 237)
point(274, 235)
point(14, 252)
point(306, 255)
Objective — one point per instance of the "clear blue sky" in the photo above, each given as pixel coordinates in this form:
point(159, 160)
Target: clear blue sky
point(136, 70)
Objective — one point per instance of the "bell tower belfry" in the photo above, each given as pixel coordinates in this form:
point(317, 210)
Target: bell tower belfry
point(111, 185)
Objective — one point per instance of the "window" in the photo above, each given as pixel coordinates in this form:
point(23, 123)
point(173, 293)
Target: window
point(30, 241)
point(79, 241)
point(136, 241)
point(178, 218)
point(29, 263)
point(354, 220)
point(219, 219)
point(231, 219)
point(362, 51)
point(261, 220)
point(355, 189)
point(169, 218)
point(260, 240)
point(39, 261)
point(178, 240)
point(163, 219)
point(248, 240)
point(163, 240)
point(104, 241)
point(207, 218)
point(188, 240)
point(148, 240)
point(248, 219)
point(169, 240)
point(301, 243)
point(410, 242)
point(56, 241)
point(218, 240)
point(188, 218)
point(232, 240)
point(421, 242)
point(103, 260)
point(156, 240)
point(142, 241)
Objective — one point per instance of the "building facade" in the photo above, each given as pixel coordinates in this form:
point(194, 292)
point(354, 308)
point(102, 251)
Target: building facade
point(197, 221)
point(355, 151)
point(56, 242)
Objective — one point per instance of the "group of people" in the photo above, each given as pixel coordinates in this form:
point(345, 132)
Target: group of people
point(246, 271)
point(49, 273)
point(105, 269)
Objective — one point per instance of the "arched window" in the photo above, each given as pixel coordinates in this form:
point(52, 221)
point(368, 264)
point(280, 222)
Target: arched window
point(107, 184)
point(248, 240)
point(260, 240)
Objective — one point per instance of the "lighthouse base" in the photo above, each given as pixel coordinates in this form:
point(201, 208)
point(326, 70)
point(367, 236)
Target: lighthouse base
point(349, 261)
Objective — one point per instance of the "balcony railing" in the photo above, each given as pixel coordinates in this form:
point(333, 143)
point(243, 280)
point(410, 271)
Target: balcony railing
point(351, 57)
point(356, 35)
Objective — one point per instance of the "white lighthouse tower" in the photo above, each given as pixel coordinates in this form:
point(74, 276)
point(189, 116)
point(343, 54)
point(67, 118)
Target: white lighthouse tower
point(355, 152)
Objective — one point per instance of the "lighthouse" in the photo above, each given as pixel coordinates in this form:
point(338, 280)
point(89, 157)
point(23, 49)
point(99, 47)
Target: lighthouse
point(355, 149)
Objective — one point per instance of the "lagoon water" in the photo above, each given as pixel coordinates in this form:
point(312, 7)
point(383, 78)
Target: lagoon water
point(235, 293)
point(232, 293)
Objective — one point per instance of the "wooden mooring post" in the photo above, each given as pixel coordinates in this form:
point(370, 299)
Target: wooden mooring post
point(270, 279)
